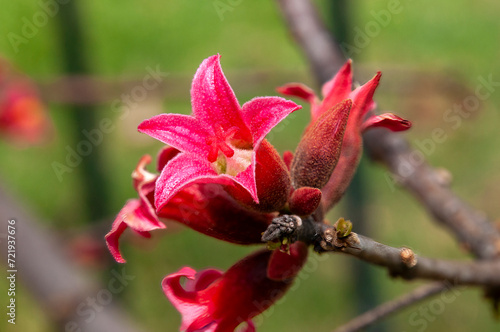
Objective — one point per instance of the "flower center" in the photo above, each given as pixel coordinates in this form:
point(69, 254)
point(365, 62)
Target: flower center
point(228, 155)
point(220, 142)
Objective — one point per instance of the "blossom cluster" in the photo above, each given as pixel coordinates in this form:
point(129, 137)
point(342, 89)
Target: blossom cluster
point(219, 176)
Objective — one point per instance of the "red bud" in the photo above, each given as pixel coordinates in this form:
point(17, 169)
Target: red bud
point(304, 201)
point(319, 150)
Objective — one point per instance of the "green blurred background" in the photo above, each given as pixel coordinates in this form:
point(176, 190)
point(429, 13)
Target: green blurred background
point(431, 55)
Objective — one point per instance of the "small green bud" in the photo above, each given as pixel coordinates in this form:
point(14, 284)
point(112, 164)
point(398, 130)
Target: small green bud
point(344, 227)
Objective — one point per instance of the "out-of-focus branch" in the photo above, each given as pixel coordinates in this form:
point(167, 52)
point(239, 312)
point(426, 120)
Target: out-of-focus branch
point(469, 226)
point(392, 306)
point(64, 292)
point(319, 45)
point(472, 228)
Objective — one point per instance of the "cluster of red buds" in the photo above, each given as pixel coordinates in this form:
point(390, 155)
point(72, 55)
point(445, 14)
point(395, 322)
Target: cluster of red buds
point(221, 177)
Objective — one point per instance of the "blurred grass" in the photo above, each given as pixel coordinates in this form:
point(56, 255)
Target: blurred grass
point(125, 37)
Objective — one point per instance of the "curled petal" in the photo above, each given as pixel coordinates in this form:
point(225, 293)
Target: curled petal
point(186, 300)
point(299, 90)
point(136, 215)
point(386, 120)
point(213, 99)
point(232, 298)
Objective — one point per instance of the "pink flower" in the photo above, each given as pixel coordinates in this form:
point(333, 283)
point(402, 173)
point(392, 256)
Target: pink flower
point(218, 302)
point(220, 140)
point(361, 118)
point(206, 208)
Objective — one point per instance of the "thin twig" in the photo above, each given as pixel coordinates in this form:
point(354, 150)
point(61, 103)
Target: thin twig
point(393, 306)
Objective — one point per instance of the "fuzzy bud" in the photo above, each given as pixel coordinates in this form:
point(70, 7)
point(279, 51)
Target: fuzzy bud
point(319, 150)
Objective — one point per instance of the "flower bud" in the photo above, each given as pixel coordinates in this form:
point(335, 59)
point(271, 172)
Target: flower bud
point(304, 201)
point(319, 150)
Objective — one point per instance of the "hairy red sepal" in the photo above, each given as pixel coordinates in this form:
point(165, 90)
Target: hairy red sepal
point(272, 178)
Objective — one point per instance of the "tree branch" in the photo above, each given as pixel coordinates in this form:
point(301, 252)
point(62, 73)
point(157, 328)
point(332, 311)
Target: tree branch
point(470, 227)
point(393, 306)
point(402, 262)
point(319, 45)
point(405, 263)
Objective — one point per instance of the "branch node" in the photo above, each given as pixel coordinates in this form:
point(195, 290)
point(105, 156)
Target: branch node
point(408, 257)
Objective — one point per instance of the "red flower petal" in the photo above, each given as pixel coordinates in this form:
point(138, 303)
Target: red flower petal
point(183, 132)
point(386, 120)
point(299, 90)
point(164, 156)
point(283, 266)
point(263, 113)
point(208, 209)
point(186, 300)
point(304, 201)
point(138, 214)
point(213, 99)
point(181, 171)
point(337, 89)
point(362, 98)
point(237, 296)
point(272, 180)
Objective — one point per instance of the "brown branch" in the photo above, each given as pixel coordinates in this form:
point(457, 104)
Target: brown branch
point(323, 53)
point(471, 227)
point(403, 262)
point(393, 306)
